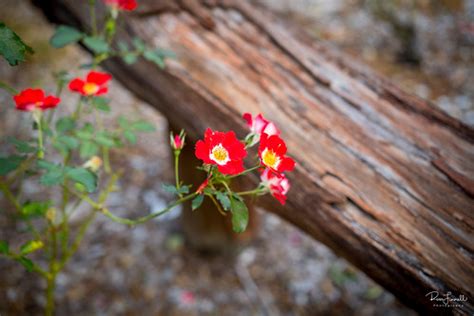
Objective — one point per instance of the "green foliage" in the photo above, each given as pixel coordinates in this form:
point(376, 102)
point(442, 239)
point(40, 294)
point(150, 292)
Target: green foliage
point(173, 190)
point(27, 263)
point(65, 35)
point(197, 201)
point(31, 246)
point(65, 124)
point(131, 127)
point(4, 247)
point(101, 104)
point(12, 48)
point(21, 146)
point(34, 209)
point(224, 200)
point(96, 44)
point(240, 214)
point(83, 176)
point(10, 163)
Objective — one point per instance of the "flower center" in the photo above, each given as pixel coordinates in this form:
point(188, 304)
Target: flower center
point(38, 104)
point(220, 155)
point(90, 88)
point(270, 159)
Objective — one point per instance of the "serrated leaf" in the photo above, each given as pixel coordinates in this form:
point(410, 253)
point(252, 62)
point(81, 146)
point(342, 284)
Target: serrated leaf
point(130, 136)
point(8, 164)
point(240, 215)
point(197, 201)
point(97, 44)
point(31, 246)
point(34, 209)
point(65, 124)
point(101, 104)
point(224, 200)
point(27, 263)
point(4, 247)
point(88, 149)
point(142, 126)
point(65, 35)
point(84, 177)
point(12, 48)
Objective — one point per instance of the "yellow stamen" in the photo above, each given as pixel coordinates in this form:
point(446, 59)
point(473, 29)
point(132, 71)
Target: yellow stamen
point(220, 154)
point(270, 159)
point(90, 88)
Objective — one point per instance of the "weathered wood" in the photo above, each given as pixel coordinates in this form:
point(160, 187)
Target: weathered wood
point(382, 177)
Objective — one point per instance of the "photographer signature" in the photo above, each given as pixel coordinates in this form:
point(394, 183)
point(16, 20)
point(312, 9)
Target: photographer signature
point(446, 300)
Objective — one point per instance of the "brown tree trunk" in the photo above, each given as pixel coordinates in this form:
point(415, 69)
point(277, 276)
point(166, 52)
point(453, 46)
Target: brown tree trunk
point(382, 177)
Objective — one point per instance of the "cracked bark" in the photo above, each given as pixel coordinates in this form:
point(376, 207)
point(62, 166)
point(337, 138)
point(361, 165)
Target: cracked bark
point(382, 177)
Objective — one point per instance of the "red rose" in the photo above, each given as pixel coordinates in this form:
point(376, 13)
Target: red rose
point(272, 152)
point(277, 183)
point(95, 84)
point(128, 5)
point(222, 149)
point(31, 99)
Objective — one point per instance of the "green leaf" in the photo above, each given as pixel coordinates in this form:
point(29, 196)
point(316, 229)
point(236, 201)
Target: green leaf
point(27, 263)
point(22, 146)
point(12, 48)
point(164, 53)
point(130, 58)
point(105, 139)
point(84, 177)
point(52, 177)
point(97, 44)
point(43, 164)
point(223, 199)
point(69, 141)
point(4, 247)
point(142, 126)
point(31, 246)
point(155, 58)
point(197, 201)
point(183, 189)
point(65, 124)
point(123, 122)
point(34, 209)
point(101, 104)
point(10, 163)
point(169, 188)
point(240, 215)
point(65, 35)
point(88, 149)
point(130, 136)
point(123, 46)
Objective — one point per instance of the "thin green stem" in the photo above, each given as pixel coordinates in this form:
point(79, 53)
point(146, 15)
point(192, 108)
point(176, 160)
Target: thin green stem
point(77, 112)
point(93, 17)
point(257, 191)
point(40, 139)
point(51, 286)
point(176, 171)
point(244, 172)
point(9, 196)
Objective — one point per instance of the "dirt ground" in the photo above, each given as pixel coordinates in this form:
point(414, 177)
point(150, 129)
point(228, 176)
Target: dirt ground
point(149, 270)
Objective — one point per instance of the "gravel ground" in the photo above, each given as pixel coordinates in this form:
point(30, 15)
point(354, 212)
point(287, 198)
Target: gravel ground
point(149, 270)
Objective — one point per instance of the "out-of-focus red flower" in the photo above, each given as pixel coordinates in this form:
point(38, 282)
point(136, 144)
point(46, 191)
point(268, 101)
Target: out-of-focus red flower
point(222, 149)
point(202, 186)
point(272, 152)
point(277, 183)
point(187, 298)
point(259, 124)
point(127, 5)
point(95, 84)
point(31, 99)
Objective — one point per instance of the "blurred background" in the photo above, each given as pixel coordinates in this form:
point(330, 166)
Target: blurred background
point(424, 46)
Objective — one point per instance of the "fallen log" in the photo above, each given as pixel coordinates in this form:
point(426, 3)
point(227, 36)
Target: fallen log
point(382, 177)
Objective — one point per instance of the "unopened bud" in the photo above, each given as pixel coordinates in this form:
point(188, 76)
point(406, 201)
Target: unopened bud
point(93, 164)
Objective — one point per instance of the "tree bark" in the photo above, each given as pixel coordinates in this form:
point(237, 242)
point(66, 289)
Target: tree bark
point(382, 177)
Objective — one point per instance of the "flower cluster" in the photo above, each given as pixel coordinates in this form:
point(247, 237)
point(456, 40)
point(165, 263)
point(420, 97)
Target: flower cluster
point(226, 153)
